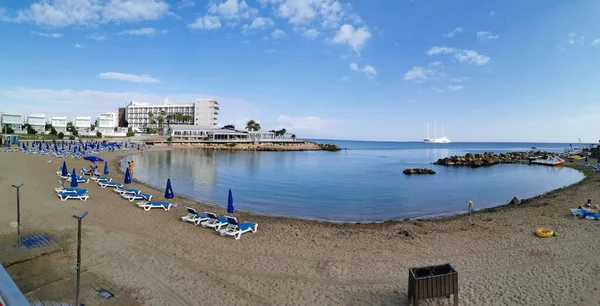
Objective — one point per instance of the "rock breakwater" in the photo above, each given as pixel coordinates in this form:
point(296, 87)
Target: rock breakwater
point(418, 171)
point(488, 159)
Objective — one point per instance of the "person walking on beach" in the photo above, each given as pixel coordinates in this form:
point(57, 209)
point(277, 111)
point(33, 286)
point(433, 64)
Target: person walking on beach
point(470, 206)
point(131, 168)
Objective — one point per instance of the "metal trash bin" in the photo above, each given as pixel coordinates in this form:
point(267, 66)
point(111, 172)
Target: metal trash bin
point(432, 282)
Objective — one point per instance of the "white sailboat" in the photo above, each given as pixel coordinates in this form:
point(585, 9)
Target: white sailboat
point(436, 139)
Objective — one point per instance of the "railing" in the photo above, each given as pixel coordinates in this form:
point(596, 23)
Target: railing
point(10, 295)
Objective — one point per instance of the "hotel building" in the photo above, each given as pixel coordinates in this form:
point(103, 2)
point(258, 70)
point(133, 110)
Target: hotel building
point(203, 112)
point(82, 124)
point(59, 124)
point(106, 123)
point(37, 122)
point(15, 120)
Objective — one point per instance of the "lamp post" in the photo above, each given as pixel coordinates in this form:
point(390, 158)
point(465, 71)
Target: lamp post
point(18, 215)
point(78, 268)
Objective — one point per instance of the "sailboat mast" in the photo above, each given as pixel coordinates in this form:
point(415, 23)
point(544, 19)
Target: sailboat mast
point(442, 129)
point(427, 130)
point(434, 134)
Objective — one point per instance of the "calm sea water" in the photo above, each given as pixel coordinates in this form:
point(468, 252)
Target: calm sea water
point(364, 183)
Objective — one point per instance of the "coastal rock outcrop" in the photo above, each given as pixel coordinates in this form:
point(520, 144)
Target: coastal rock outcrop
point(329, 147)
point(487, 159)
point(515, 200)
point(418, 171)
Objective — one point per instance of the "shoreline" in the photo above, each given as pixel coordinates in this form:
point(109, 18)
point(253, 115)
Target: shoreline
point(495, 209)
point(157, 259)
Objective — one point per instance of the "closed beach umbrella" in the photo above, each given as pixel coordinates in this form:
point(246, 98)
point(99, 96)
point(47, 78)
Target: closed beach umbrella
point(74, 178)
point(64, 169)
point(230, 208)
point(127, 177)
point(93, 159)
point(105, 168)
point(169, 191)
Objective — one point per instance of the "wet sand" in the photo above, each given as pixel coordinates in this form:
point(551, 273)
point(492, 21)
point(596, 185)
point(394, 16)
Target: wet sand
point(160, 260)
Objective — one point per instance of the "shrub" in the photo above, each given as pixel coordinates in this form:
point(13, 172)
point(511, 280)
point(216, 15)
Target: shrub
point(53, 131)
point(98, 134)
point(61, 135)
point(72, 137)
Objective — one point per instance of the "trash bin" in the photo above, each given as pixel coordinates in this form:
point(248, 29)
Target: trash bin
point(432, 282)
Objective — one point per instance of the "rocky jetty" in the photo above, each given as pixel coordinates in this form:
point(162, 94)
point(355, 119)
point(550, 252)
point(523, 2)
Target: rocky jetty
point(329, 147)
point(418, 171)
point(487, 159)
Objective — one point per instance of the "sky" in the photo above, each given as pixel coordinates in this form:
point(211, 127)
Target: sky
point(364, 70)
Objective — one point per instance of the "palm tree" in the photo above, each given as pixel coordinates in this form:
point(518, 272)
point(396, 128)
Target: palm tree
point(152, 119)
point(250, 125)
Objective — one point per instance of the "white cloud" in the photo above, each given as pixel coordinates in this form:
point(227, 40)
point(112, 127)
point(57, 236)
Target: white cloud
point(492, 13)
point(133, 78)
point(311, 33)
point(233, 10)
point(435, 64)
point(469, 56)
point(185, 4)
point(245, 41)
point(454, 32)
point(278, 34)
point(355, 38)
point(573, 39)
point(455, 87)
point(97, 36)
point(62, 13)
point(143, 31)
point(486, 35)
point(437, 89)
point(368, 70)
point(560, 48)
point(67, 102)
point(300, 123)
point(596, 42)
point(418, 73)
point(269, 51)
point(206, 23)
point(329, 13)
point(78, 46)
point(261, 23)
point(49, 35)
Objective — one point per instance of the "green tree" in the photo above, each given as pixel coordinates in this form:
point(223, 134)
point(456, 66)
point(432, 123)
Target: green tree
point(61, 135)
point(75, 133)
point(229, 127)
point(53, 131)
point(48, 127)
point(252, 126)
point(70, 127)
point(98, 134)
point(7, 129)
point(30, 129)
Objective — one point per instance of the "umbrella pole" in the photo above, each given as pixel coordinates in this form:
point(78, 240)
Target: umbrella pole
point(78, 267)
point(18, 215)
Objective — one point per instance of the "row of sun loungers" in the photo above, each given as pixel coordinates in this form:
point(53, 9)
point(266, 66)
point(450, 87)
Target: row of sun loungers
point(232, 226)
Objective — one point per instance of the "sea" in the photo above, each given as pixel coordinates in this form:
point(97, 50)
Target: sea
point(362, 183)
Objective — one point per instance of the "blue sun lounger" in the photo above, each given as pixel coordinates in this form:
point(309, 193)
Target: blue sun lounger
point(110, 185)
point(236, 229)
point(137, 196)
point(147, 205)
point(214, 221)
point(122, 191)
point(81, 195)
point(101, 179)
point(587, 214)
point(194, 217)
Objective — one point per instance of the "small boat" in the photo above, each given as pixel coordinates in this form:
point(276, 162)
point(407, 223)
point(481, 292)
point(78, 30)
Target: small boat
point(549, 161)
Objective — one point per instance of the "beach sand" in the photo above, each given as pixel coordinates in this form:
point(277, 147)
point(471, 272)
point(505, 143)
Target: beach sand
point(159, 260)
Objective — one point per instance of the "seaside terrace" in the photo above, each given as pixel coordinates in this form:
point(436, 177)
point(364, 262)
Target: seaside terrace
point(190, 133)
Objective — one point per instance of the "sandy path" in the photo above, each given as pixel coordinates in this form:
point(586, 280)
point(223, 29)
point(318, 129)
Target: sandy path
point(163, 261)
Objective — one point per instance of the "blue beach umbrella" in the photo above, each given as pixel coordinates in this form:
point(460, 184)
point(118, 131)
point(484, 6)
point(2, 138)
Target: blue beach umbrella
point(169, 191)
point(74, 178)
point(230, 208)
point(127, 177)
point(64, 169)
point(105, 168)
point(93, 159)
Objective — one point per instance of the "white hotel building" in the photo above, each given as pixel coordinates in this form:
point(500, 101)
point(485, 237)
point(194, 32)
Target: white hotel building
point(37, 122)
point(15, 120)
point(204, 112)
point(59, 124)
point(106, 123)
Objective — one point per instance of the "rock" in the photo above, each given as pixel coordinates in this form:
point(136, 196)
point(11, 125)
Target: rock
point(515, 200)
point(486, 159)
point(418, 171)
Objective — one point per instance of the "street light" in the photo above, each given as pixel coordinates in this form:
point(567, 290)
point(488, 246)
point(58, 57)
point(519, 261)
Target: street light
point(79, 218)
point(18, 215)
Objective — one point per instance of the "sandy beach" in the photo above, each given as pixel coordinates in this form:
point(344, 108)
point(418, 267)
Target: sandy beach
point(160, 260)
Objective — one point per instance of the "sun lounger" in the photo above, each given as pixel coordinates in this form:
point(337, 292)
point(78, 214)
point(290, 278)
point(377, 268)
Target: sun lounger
point(194, 217)
point(80, 179)
point(236, 229)
point(149, 205)
point(122, 191)
point(84, 171)
point(81, 195)
point(214, 221)
point(101, 179)
point(110, 184)
point(587, 214)
point(576, 213)
point(137, 196)
point(70, 189)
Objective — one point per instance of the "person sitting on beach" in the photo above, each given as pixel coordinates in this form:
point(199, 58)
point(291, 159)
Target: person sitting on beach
point(90, 169)
point(588, 204)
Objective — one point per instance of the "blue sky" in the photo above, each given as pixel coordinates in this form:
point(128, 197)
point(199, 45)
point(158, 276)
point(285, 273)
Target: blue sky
point(489, 70)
